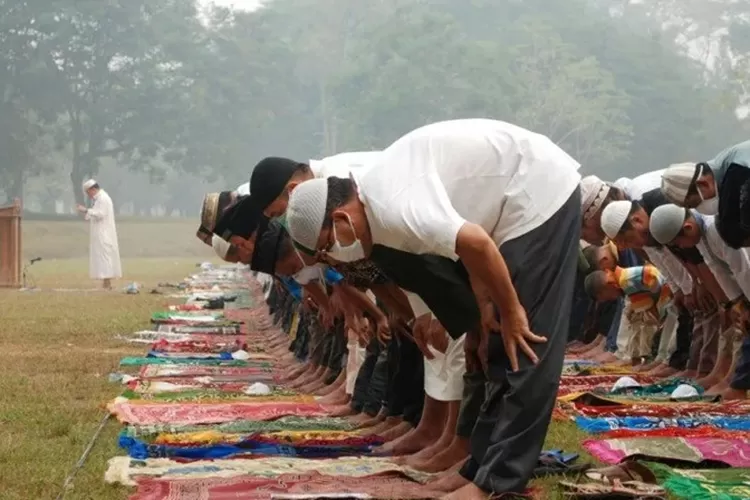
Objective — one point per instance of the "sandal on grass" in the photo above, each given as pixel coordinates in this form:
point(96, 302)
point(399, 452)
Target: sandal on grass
point(629, 470)
point(614, 491)
point(549, 465)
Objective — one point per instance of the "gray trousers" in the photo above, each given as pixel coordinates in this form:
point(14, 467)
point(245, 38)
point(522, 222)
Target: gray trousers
point(512, 424)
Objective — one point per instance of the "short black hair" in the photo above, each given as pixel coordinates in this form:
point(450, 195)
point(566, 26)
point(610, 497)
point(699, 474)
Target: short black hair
point(591, 254)
point(594, 283)
point(340, 191)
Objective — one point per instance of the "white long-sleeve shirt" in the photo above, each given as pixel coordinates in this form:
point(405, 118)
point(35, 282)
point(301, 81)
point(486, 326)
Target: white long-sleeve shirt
point(730, 266)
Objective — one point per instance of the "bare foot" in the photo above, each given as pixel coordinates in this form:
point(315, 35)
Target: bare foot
point(396, 431)
point(718, 389)
point(709, 381)
point(384, 426)
point(469, 491)
point(606, 357)
point(454, 454)
point(372, 421)
point(733, 394)
point(410, 443)
point(341, 411)
point(449, 483)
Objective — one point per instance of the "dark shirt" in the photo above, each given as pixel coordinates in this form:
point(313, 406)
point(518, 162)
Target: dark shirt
point(441, 283)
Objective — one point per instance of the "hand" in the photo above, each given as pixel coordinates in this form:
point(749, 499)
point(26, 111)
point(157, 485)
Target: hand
point(438, 337)
point(383, 329)
point(678, 299)
point(81, 209)
point(420, 331)
point(705, 301)
point(689, 302)
point(325, 317)
point(516, 335)
point(489, 317)
point(471, 351)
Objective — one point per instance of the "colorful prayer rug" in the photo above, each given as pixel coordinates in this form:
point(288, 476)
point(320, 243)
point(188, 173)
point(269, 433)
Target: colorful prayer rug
point(247, 426)
point(187, 413)
point(385, 486)
point(123, 470)
point(718, 451)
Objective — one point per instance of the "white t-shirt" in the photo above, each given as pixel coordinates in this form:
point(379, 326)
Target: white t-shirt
point(341, 165)
point(430, 182)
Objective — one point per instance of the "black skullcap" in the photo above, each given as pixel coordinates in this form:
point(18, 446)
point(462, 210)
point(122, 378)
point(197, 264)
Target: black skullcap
point(214, 205)
point(265, 254)
point(269, 177)
point(239, 219)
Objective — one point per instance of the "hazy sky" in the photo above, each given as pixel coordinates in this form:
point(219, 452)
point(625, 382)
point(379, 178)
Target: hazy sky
point(237, 4)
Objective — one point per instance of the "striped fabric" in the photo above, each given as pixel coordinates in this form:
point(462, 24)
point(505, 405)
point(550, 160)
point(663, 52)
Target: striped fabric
point(645, 287)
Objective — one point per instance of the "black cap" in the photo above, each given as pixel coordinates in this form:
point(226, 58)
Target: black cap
point(214, 205)
point(269, 177)
point(239, 219)
point(266, 251)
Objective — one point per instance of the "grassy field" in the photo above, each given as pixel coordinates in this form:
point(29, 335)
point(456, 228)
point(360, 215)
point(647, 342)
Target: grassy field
point(58, 349)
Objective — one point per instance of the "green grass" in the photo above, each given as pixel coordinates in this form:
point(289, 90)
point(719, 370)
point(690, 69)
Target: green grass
point(138, 237)
point(58, 349)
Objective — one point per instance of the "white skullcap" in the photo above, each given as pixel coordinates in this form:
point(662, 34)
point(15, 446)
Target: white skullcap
point(666, 223)
point(614, 217)
point(684, 391)
point(676, 180)
point(221, 246)
point(593, 192)
point(306, 212)
point(89, 184)
point(625, 383)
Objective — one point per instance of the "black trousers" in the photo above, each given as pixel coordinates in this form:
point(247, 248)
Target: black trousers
point(679, 358)
point(405, 380)
point(512, 425)
point(369, 387)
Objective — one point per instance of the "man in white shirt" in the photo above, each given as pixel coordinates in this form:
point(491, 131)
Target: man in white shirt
point(673, 225)
point(506, 202)
point(104, 249)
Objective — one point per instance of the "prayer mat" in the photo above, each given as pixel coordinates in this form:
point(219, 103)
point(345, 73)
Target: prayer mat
point(247, 426)
point(705, 431)
point(246, 448)
point(155, 371)
point(212, 413)
point(123, 470)
point(712, 484)
point(717, 452)
point(290, 437)
point(384, 486)
point(136, 361)
point(204, 329)
point(605, 424)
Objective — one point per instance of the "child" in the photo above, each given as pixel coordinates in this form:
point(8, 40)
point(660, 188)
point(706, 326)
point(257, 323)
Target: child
point(647, 295)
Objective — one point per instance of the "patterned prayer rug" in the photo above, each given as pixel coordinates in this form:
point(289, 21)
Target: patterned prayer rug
point(716, 451)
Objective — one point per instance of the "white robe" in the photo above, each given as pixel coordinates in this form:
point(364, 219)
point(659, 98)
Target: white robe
point(104, 251)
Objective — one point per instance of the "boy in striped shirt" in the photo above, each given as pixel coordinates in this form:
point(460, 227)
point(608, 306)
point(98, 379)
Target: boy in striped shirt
point(647, 294)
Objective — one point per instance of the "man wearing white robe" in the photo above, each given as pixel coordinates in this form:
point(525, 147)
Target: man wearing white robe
point(104, 251)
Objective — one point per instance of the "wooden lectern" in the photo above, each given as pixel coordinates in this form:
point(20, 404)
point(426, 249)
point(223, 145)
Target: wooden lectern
point(10, 245)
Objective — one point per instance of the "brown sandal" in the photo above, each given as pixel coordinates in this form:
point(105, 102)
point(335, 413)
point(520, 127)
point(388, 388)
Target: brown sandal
point(616, 490)
point(626, 471)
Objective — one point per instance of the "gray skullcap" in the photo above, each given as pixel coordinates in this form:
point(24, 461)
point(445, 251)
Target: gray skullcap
point(593, 192)
point(666, 223)
point(614, 217)
point(306, 212)
point(676, 181)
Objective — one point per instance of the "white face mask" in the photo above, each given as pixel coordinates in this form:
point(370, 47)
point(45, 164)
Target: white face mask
point(308, 273)
point(708, 206)
point(350, 253)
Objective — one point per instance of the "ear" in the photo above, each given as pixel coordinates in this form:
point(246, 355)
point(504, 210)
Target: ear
point(290, 186)
point(704, 181)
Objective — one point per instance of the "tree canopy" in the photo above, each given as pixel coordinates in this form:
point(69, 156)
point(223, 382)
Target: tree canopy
point(182, 95)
